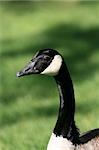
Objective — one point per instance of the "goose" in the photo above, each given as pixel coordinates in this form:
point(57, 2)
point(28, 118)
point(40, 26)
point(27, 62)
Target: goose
point(65, 135)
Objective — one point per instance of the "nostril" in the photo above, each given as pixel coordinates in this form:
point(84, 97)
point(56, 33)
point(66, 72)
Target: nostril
point(27, 69)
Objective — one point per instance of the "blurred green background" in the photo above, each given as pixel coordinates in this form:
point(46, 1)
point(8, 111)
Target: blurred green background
point(29, 105)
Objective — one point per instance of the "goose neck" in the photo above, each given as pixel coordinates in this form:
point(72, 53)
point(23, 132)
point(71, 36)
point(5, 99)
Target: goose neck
point(65, 125)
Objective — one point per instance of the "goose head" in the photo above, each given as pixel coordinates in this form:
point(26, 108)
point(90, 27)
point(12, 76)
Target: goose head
point(47, 61)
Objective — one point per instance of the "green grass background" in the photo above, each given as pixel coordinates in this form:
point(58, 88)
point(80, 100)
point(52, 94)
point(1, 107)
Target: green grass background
point(29, 105)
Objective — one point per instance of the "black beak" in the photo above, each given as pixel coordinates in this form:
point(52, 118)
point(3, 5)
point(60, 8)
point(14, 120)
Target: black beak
point(29, 69)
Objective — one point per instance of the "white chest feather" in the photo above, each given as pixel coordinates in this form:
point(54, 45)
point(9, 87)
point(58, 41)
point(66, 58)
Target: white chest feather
point(54, 66)
point(59, 143)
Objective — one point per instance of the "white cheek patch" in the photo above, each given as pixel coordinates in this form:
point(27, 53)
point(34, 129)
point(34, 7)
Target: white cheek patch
point(59, 143)
point(54, 66)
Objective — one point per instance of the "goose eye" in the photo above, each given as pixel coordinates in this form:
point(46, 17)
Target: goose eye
point(46, 57)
